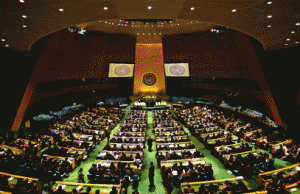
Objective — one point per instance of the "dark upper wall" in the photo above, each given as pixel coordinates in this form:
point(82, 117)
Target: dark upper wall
point(228, 56)
point(69, 55)
point(66, 56)
point(281, 70)
point(17, 68)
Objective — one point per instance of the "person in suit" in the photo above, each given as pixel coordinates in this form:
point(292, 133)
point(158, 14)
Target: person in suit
point(151, 174)
point(150, 140)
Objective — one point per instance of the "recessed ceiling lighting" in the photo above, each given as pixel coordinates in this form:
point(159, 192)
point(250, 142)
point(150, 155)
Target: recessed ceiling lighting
point(288, 39)
point(120, 20)
point(24, 26)
point(269, 16)
point(99, 21)
point(297, 24)
point(192, 8)
point(137, 33)
point(6, 45)
point(234, 10)
point(270, 2)
point(61, 9)
point(24, 16)
point(286, 44)
point(296, 42)
point(105, 8)
point(3, 40)
point(159, 33)
point(22, 1)
point(149, 7)
point(269, 26)
point(292, 32)
point(125, 24)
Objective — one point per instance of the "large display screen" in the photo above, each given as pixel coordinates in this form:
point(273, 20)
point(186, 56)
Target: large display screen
point(120, 70)
point(177, 69)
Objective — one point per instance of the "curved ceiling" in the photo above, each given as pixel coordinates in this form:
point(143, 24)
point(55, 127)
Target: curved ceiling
point(275, 23)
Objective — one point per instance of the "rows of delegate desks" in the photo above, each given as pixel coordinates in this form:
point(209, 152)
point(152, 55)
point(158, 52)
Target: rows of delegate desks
point(82, 142)
point(174, 140)
point(119, 146)
point(213, 138)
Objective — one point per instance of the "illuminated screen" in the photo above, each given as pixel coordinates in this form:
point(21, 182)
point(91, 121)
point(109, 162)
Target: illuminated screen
point(177, 69)
point(120, 70)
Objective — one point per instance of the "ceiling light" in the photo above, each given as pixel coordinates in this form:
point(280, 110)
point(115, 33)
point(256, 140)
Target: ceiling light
point(6, 45)
point(154, 34)
point(286, 44)
point(149, 7)
point(125, 24)
point(159, 33)
point(143, 33)
point(99, 21)
point(22, 1)
point(61, 9)
point(137, 33)
point(270, 2)
point(288, 39)
point(112, 23)
point(296, 42)
point(24, 16)
point(122, 24)
point(119, 20)
point(106, 22)
point(3, 40)
point(297, 24)
point(192, 8)
point(269, 26)
point(269, 16)
point(234, 10)
point(105, 8)
point(149, 33)
point(119, 24)
point(24, 26)
point(212, 30)
point(292, 32)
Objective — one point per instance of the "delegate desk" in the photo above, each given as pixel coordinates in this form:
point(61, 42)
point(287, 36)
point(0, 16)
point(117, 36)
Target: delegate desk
point(125, 139)
point(82, 187)
point(170, 133)
point(218, 150)
point(13, 149)
point(243, 154)
point(70, 160)
point(130, 134)
point(74, 150)
point(185, 162)
point(220, 183)
point(211, 142)
point(266, 176)
point(204, 135)
point(33, 186)
point(172, 138)
point(250, 133)
point(175, 146)
point(107, 163)
point(208, 130)
point(126, 145)
point(277, 146)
